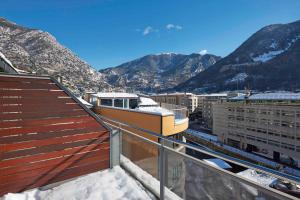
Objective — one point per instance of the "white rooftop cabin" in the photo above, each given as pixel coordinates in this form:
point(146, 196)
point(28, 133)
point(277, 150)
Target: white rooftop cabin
point(115, 99)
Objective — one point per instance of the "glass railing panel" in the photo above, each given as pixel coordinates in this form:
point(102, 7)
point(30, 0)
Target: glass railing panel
point(141, 153)
point(191, 179)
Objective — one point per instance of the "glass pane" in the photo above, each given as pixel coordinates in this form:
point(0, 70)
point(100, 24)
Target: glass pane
point(125, 103)
point(118, 103)
point(192, 180)
point(133, 103)
point(106, 102)
point(141, 153)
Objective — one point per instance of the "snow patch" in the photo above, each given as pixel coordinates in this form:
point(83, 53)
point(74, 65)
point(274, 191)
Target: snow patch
point(271, 54)
point(260, 178)
point(146, 179)
point(109, 184)
point(216, 162)
point(5, 59)
point(239, 77)
point(144, 101)
point(155, 110)
point(202, 135)
point(267, 56)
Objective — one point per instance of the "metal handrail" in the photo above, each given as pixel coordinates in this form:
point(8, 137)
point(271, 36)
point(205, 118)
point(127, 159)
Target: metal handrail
point(246, 164)
point(270, 191)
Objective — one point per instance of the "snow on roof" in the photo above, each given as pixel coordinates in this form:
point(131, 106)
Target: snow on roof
point(155, 110)
point(109, 184)
point(213, 95)
point(115, 95)
point(271, 96)
point(147, 102)
point(173, 94)
point(202, 135)
point(260, 178)
point(4, 58)
point(11, 65)
point(218, 163)
point(84, 102)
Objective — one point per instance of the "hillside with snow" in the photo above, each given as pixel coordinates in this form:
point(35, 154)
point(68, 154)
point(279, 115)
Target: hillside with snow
point(268, 60)
point(153, 73)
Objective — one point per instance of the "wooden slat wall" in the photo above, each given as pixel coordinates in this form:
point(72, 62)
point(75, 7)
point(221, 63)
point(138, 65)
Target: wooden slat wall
point(45, 136)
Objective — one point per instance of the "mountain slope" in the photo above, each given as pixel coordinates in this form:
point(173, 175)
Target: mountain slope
point(158, 72)
point(268, 60)
point(38, 52)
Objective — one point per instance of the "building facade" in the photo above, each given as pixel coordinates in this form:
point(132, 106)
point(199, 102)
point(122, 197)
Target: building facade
point(267, 124)
point(188, 100)
point(205, 107)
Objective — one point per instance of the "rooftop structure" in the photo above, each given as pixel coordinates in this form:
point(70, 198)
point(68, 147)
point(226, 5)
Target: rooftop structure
point(140, 111)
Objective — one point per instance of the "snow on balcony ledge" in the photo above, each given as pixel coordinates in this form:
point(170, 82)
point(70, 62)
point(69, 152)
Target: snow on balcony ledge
point(108, 184)
point(181, 121)
point(146, 179)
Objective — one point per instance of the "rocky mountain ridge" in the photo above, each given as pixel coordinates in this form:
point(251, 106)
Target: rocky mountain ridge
point(153, 73)
point(38, 52)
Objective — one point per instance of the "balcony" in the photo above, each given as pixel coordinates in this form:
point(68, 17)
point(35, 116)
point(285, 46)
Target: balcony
point(61, 140)
point(144, 169)
point(174, 174)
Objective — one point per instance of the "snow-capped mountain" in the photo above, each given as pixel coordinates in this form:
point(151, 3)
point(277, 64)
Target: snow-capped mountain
point(268, 60)
point(39, 52)
point(153, 73)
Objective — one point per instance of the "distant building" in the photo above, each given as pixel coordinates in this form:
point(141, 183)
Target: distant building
point(188, 100)
point(267, 123)
point(205, 102)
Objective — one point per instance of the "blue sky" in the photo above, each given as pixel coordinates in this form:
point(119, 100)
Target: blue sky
point(109, 32)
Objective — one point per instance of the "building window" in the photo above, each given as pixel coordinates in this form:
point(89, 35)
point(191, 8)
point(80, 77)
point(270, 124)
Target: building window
point(94, 101)
point(133, 103)
point(118, 103)
point(106, 102)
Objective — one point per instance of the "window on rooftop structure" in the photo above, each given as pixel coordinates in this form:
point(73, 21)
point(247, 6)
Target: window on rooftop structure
point(118, 103)
point(125, 103)
point(133, 103)
point(94, 101)
point(106, 102)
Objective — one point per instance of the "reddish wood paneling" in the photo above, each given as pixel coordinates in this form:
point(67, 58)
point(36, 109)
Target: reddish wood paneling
point(45, 135)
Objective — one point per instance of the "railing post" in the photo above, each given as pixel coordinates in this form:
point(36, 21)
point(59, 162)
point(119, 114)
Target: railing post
point(162, 169)
point(115, 148)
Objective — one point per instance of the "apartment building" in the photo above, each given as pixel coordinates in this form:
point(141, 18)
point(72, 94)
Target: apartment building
point(188, 100)
point(267, 124)
point(205, 102)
